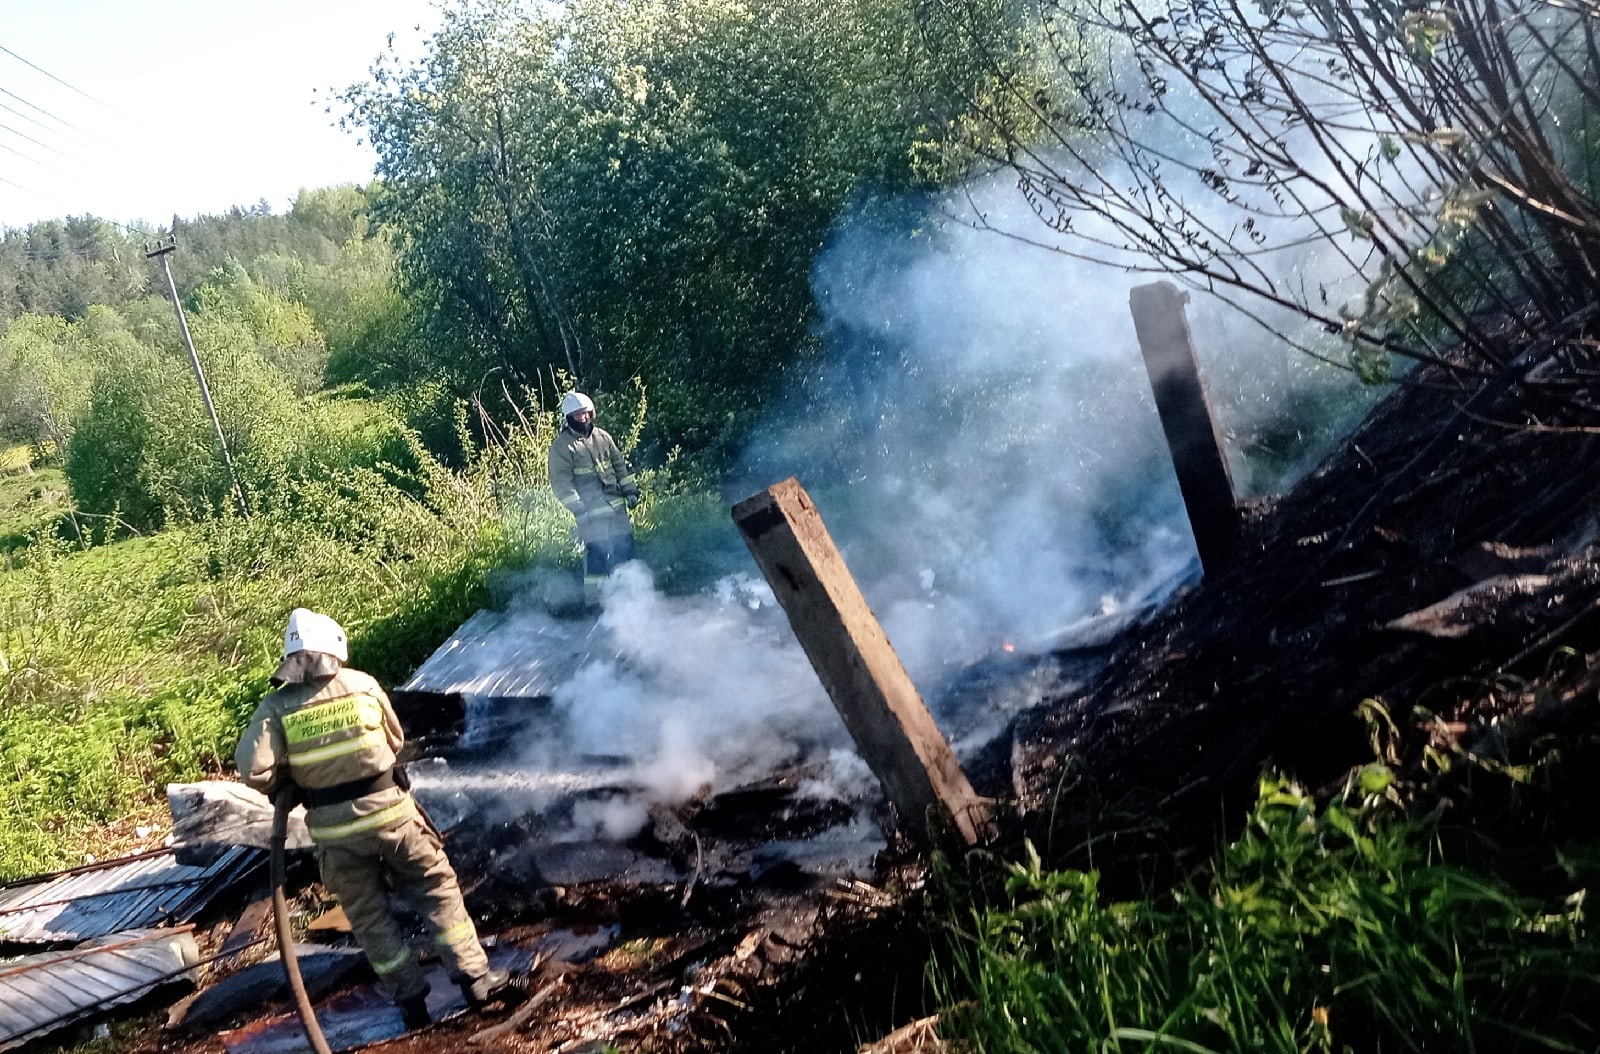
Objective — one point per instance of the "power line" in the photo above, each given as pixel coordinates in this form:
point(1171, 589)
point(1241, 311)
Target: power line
point(26, 157)
point(34, 121)
point(95, 169)
point(47, 166)
point(59, 81)
point(19, 186)
point(125, 227)
point(32, 257)
point(53, 117)
point(35, 142)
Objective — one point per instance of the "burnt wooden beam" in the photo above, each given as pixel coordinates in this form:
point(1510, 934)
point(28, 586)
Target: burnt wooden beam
point(1197, 454)
point(857, 666)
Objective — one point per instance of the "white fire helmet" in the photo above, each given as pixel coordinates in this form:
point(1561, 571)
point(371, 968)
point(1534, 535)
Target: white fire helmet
point(572, 402)
point(309, 631)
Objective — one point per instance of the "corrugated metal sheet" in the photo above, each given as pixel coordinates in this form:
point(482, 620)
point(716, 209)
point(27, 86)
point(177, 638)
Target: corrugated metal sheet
point(41, 993)
point(508, 655)
point(361, 1017)
point(151, 889)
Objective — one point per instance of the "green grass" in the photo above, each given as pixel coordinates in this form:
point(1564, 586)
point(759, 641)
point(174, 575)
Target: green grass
point(1318, 930)
point(130, 665)
point(31, 499)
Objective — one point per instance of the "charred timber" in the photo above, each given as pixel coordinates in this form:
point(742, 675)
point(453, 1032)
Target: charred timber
point(857, 665)
point(1186, 418)
point(1431, 550)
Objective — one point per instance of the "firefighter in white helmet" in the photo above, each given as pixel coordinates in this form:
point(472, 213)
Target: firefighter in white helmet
point(330, 731)
point(591, 478)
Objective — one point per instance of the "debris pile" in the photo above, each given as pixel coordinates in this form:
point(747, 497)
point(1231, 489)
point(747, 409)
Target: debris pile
point(1443, 552)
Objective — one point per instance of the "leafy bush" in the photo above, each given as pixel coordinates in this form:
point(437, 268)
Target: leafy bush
point(280, 330)
point(146, 453)
point(110, 462)
point(1318, 930)
point(46, 367)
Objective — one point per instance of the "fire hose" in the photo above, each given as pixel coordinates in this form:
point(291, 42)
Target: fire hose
point(282, 803)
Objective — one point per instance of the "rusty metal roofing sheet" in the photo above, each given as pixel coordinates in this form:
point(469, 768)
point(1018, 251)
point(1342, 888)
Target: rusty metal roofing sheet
point(508, 654)
point(41, 993)
point(150, 889)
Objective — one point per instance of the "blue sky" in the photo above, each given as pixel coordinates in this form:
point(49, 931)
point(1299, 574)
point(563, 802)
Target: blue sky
point(182, 106)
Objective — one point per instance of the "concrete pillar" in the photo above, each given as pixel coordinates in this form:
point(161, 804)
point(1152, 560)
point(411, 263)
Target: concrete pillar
point(1197, 454)
point(857, 666)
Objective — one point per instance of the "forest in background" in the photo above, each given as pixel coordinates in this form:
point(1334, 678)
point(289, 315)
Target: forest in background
point(632, 196)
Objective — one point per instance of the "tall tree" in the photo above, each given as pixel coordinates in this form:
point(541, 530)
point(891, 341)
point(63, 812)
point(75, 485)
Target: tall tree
point(637, 188)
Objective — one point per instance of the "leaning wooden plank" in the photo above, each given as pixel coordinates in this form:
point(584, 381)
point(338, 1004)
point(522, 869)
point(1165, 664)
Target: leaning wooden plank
point(1197, 452)
point(857, 666)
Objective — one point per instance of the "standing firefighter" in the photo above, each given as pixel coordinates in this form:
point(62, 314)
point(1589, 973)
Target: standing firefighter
point(331, 732)
point(591, 478)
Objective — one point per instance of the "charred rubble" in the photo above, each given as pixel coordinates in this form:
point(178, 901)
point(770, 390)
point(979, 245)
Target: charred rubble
point(1433, 588)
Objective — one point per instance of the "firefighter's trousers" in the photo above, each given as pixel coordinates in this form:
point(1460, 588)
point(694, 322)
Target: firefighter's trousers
point(407, 859)
point(601, 555)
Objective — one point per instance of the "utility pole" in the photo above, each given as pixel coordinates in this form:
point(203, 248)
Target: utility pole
point(163, 249)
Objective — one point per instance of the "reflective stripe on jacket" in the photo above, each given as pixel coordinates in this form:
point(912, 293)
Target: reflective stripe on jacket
point(591, 477)
point(328, 731)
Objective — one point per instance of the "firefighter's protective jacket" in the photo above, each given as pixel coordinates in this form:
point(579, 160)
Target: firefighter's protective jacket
point(330, 733)
point(592, 479)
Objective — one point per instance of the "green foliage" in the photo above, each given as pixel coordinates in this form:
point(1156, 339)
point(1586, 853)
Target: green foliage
point(32, 500)
point(46, 367)
point(1318, 930)
point(374, 333)
point(281, 330)
point(63, 267)
point(685, 532)
point(135, 403)
point(1006, 60)
point(146, 452)
point(129, 665)
point(622, 189)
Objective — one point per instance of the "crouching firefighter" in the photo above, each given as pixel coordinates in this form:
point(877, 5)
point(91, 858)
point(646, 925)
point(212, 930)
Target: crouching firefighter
point(331, 732)
point(591, 477)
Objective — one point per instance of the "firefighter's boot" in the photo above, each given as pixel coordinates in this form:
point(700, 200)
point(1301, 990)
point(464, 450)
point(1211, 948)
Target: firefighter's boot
point(480, 990)
point(414, 1011)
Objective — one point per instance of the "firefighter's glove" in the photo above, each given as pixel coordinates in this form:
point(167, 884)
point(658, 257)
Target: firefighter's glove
point(633, 500)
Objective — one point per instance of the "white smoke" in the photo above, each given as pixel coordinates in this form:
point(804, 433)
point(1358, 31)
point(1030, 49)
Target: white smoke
point(982, 439)
point(982, 443)
point(696, 691)
point(607, 819)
